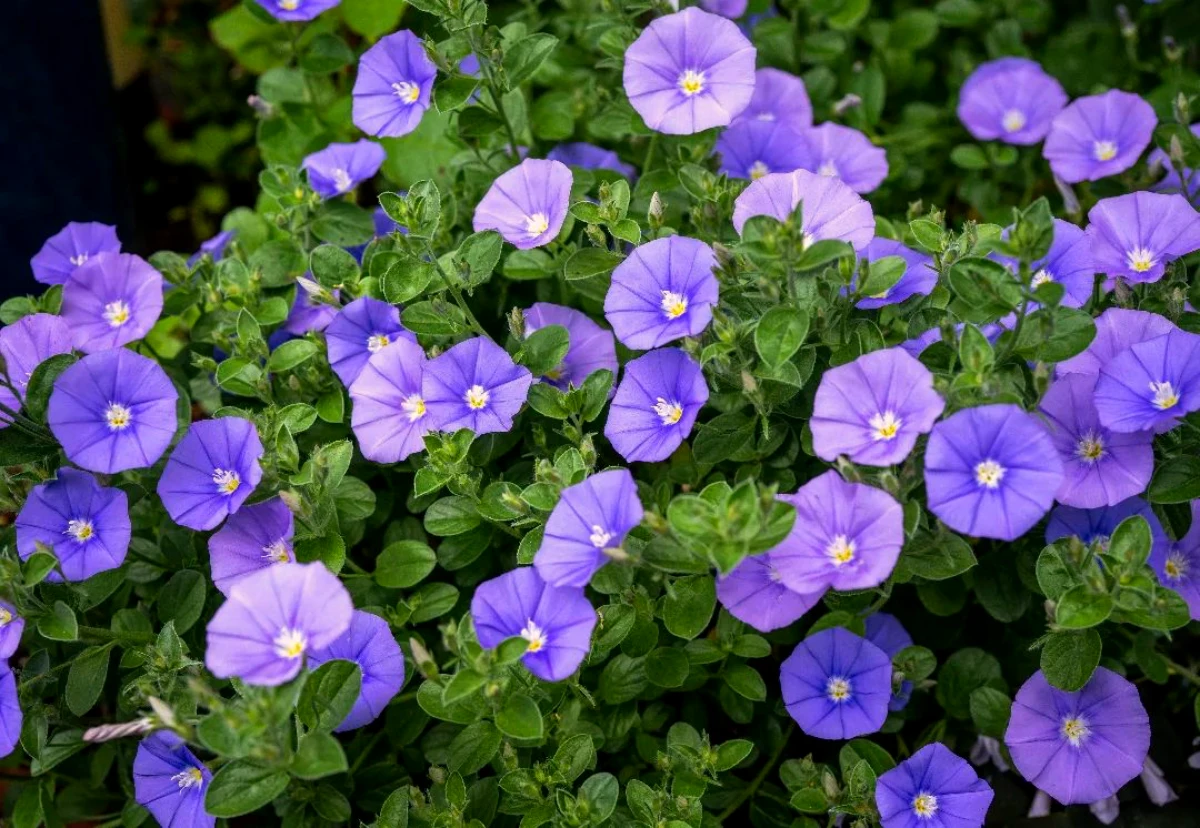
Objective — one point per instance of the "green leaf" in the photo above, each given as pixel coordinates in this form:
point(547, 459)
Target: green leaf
point(242, 787)
point(746, 682)
point(969, 157)
point(689, 606)
point(372, 18)
point(599, 793)
point(822, 253)
point(525, 56)
point(987, 288)
point(328, 695)
point(917, 663)
point(37, 567)
point(452, 515)
point(401, 276)
point(1080, 608)
point(963, 672)
point(937, 558)
point(436, 318)
point(667, 667)
point(326, 53)
point(1176, 481)
point(723, 437)
point(590, 262)
point(574, 756)
point(1130, 542)
point(1069, 658)
point(473, 748)
point(454, 92)
point(1055, 334)
point(332, 266)
point(60, 624)
point(544, 349)
point(342, 223)
point(18, 448)
point(481, 252)
point(182, 599)
point(394, 813)
point(432, 601)
point(292, 353)
point(85, 681)
point(464, 684)
point(404, 564)
point(990, 709)
point(318, 755)
point(41, 383)
point(520, 718)
point(731, 754)
point(779, 334)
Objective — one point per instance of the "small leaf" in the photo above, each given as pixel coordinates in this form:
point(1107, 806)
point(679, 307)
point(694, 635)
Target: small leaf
point(779, 334)
point(328, 695)
point(1068, 659)
point(318, 755)
point(60, 624)
point(242, 787)
point(85, 681)
point(520, 718)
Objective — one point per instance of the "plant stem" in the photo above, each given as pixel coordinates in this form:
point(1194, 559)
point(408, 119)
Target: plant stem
point(1183, 672)
point(103, 635)
point(760, 778)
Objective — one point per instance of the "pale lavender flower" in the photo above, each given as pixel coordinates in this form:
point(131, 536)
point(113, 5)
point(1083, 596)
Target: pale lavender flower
point(339, 168)
point(1099, 135)
point(778, 96)
point(394, 85)
point(211, 472)
point(752, 148)
point(664, 291)
point(528, 204)
point(830, 209)
point(24, 345)
point(390, 419)
point(656, 405)
point(589, 519)
point(1135, 236)
point(111, 300)
point(71, 248)
point(841, 152)
point(1011, 100)
point(474, 385)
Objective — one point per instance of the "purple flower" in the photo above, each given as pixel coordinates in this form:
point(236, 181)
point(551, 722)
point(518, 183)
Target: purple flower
point(664, 291)
point(11, 628)
point(726, 8)
point(395, 81)
point(256, 537)
point(339, 168)
point(11, 718)
point(1116, 330)
point(113, 411)
point(389, 417)
point(919, 279)
point(1136, 235)
point(590, 518)
point(360, 329)
point(592, 348)
point(1083, 746)
point(214, 247)
point(309, 311)
point(933, 787)
point(475, 385)
point(837, 685)
point(846, 536)
point(831, 210)
point(689, 71)
point(272, 619)
point(991, 471)
point(1151, 384)
point(1100, 467)
point(86, 524)
point(874, 408)
point(752, 148)
point(1098, 136)
point(656, 405)
point(1069, 263)
point(72, 247)
point(528, 204)
point(778, 96)
point(754, 592)
point(170, 782)
point(211, 472)
point(1177, 564)
point(1097, 525)
point(1172, 182)
point(556, 621)
point(369, 643)
point(1010, 100)
point(590, 157)
point(841, 152)
point(24, 345)
point(888, 634)
point(292, 10)
point(111, 300)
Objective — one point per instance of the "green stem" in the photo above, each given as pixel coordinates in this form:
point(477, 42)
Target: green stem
point(760, 778)
point(649, 153)
point(102, 635)
point(1184, 672)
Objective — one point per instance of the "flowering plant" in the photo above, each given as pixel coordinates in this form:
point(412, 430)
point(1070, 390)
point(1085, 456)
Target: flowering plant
point(651, 454)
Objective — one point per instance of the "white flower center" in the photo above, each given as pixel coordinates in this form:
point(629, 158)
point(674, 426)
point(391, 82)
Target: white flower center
point(925, 804)
point(227, 480)
point(1075, 730)
point(407, 92)
point(6, 617)
point(757, 170)
point(377, 342)
point(669, 412)
point(1014, 120)
point(828, 168)
point(192, 777)
point(537, 224)
point(691, 82)
point(290, 643)
point(1165, 395)
point(885, 426)
point(838, 689)
point(1104, 150)
point(1090, 448)
point(78, 260)
point(1176, 566)
point(118, 416)
point(289, 5)
point(116, 313)
point(414, 406)
point(600, 537)
point(534, 634)
point(1040, 278)
point(476, 397)
point(989, 473)
point(80, 529)
point(1140, 259)
point(674, 305)
point(840, 550)
point(278, 552)
point(341, 180)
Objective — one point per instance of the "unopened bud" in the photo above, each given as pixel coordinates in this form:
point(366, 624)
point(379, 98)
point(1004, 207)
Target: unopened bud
point(1128, 27)
point(423, 659)
point(654, 216)
point(163, 711)
point(261, 107)
point(1070, 200)
point(847, 103)
point(108, 732)
point(1171, 49)
point(516, 324)
point(1175, 150)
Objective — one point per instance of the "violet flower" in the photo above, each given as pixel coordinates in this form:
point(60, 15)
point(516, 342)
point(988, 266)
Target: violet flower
point(11, 717)
point(111, 300)
point(1151, 384)
point(360, 329)
point(752, 148)
point(309, 312)
point(528, 204)
point(837, 685)
point(1178, 564)
point(887, 633)
point(590, 518)
point(86, 524)
point(933, 787)
point(256, 537)
point(590, 157)
point(474, 385)
point(296, 10)
point(211, 472)
point(840, 152)
point(1011, 100)
point(656, 405)
point(1187, 184)
point(592, 348)
point(778, 96)
point(369, 643)
point(394, 86)
point(214, 247)
point(1116, 330)
point(170, 782)
point(71, 248)
point(1097, 525)
point(390, 418)
point(339, 168)
point(919, 279)
point(1098, 136)
point(12, 626)
point(1069, 262)
point(664, 291)
point(1135, 236)
point(754, 593)
point(830, 209)
point(24, 345)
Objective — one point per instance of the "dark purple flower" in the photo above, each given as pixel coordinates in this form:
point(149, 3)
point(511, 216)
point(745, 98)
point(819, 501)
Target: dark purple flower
point(1116, 330)
point(211, 472)
point(1172, 182)
point(214, 247)
point(390, 418)
point(1097, 525)
point(474, 385)
point(369, 643)
point(590, 157)
point(656, 405)
point(556, 621)
point(394, 85)
point(86, 524)
point(170, 782)
point(1135, 236)
point(1099, 135)
point(664, 291)
point(778, 96)
point(72, 247)
point(24, 345)
point(592, 348)
point(113, 411)
point(310, 311)
point(1100, 467)
point(589, 519)
point(360, 329)
point(272, 619)
point(11, 718)
point(1178, 564)
point(111, 300)
point(919, 279)
point(1011, 100)
point(754, 593)
point(751, 148)
point(831, 210)
point(256, 537)
point(689, 71)
point(1083, 746)
point(12, 626)
point(1151, 384)
point(846, 536)
point(933, 787)
point(841, 152)
point(339, 168)
point(991, 471)
point(874, 408)
point(528, 204)
point(837, 685)
point(296, 10)
point(888, 634)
